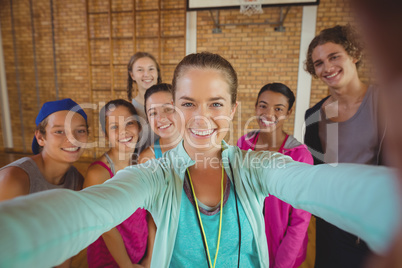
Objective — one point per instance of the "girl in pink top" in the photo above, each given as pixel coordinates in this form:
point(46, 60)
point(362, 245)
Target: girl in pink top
point(285, 227)
point(125, 245)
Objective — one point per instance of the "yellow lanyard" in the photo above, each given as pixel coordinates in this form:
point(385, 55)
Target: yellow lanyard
point(202, 227)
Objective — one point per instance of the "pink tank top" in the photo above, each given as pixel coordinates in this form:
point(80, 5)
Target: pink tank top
point(285, 227)
point(134, 231)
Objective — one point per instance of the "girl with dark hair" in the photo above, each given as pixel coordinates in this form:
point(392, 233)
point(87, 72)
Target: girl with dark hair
point(344, 127)
point(205, 196)
point(125, 245)
point(285, 226)
point(161, 116)
point(143, 71)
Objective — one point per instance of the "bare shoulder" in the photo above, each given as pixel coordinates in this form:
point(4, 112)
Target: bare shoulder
point(96, 174)
point(14, 182)
point(146, 155)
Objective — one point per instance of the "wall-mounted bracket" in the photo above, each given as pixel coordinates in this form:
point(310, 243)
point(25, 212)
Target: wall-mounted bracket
point(279, 28)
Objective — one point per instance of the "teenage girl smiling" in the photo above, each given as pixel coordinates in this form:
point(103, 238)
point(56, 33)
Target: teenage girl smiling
point(143, 71)
point(125, 245)
point(162, 118)
point(285, 227)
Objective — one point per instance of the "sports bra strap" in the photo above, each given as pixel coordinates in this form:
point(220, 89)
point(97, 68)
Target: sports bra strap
point(103, 165)
point(111, 164)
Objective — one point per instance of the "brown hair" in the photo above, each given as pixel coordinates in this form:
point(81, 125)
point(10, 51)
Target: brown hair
point(346, 36)
point(162, 87)
point(130, 64)
point(113, 104)
point(42, 127)
point(207, 60)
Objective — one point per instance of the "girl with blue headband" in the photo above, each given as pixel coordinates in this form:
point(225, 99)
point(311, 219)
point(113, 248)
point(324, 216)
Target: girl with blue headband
point(60, 135)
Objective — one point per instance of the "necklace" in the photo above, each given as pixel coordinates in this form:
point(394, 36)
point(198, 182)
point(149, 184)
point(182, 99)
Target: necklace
point(200, 221)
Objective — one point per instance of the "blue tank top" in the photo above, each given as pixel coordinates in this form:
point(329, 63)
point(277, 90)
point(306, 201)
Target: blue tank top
point(157, 149)
point(189, 249)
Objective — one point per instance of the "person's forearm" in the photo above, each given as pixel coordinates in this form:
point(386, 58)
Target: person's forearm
point(65, 264)
point(115, 244)
point(146, 261)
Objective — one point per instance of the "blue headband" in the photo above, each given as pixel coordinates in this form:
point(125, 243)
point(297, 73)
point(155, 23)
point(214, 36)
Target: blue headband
point(51, 107)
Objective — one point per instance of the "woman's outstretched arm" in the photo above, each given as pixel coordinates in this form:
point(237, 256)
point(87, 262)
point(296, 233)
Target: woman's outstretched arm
point(44, 229)
point(361, 199)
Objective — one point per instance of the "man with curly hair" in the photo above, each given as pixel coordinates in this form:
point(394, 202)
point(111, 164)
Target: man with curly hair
point(344, 127)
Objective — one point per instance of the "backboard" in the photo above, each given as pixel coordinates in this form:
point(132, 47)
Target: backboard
point(222, 4)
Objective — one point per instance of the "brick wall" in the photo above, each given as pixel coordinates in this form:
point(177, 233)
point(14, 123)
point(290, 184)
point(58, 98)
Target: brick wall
point(71, 60)
point(82, 54)
point(259, 53)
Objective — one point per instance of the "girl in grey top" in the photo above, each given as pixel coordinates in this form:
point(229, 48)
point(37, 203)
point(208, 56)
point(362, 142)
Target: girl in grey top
point(32, 179)
point(61, 130)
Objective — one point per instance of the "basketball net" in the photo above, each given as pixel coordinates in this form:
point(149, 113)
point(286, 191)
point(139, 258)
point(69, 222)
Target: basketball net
point(250, 7)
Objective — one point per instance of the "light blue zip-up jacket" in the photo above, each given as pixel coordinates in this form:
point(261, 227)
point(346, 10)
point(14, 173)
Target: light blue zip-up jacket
point(44, 229)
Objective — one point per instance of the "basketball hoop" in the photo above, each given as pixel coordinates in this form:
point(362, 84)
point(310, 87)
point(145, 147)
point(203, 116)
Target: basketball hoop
point(250, 7)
